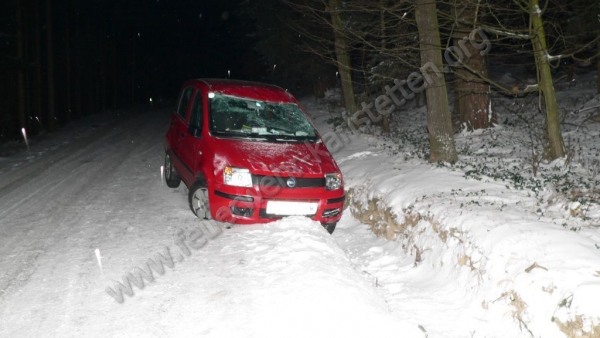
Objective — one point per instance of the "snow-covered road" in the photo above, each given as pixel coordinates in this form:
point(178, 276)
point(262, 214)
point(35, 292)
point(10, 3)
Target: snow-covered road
point(467, 257)
point(104, 191)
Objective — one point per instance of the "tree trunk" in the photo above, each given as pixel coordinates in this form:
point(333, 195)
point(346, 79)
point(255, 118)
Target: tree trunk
point(51, 107)
point(21, 60)
point(133, 71)
point(386, 120)
point(79, 73)
point(103, 67)
point(343, 59)
point(473, 95)
point(38, 61)
point(68, 55)
point(97, 66)
point(114, 77)
point(598, 71)
point(545, 85)
point(439, 124)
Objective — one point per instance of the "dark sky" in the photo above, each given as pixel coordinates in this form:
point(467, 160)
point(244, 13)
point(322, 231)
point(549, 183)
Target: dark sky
point(184, 39)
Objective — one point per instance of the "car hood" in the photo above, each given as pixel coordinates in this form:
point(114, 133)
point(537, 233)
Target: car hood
point(265, 158)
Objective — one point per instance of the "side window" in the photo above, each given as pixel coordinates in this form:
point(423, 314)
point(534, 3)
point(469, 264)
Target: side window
point(184, 101)
point(196, 117)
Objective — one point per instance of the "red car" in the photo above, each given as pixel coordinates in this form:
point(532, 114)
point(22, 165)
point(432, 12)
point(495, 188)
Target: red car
point(249, 154)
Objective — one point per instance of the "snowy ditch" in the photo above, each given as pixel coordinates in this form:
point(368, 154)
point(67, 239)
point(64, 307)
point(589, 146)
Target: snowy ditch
point(512, 272)
point(508, 271)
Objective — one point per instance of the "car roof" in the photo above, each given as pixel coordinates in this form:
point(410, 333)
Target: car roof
point(247, 89)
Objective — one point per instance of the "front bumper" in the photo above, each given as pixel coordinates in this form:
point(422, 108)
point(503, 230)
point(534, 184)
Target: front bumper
point(249, 205)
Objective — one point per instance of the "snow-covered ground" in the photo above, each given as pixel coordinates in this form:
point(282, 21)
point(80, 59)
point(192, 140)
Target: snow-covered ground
point(62, 201)
point(480, 249)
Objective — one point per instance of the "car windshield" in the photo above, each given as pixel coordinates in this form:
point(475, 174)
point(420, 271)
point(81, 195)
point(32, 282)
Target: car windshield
point(232, 116)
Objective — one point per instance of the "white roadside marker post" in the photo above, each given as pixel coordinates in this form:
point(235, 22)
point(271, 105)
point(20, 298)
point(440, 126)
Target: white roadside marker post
point(25, 137)
point(99, 258)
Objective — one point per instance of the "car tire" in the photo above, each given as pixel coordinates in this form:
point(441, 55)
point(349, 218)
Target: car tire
point(171, 177)
point(198, 199)
point(330, 227)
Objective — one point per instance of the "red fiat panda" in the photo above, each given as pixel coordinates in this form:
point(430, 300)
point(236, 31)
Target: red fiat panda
point(249, 154)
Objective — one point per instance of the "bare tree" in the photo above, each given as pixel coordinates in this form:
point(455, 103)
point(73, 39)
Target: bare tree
point(545, 85)
point(343, 59)
point(382, 27)
point(518, 26)
point(439, 125)
point(21, 58)
point(49, 45)
point(472, 94)
point(68, 65)
point(38, 60)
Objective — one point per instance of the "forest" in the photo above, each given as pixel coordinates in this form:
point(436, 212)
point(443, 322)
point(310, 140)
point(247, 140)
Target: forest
point(64, 60)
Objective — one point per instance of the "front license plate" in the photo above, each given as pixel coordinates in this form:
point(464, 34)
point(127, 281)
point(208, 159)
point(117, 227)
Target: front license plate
point(284, 208)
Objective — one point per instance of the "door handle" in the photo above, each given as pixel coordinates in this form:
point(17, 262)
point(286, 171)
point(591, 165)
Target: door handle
point(182, 134)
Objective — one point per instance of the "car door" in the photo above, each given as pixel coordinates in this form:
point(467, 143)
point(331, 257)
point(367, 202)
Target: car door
point(179, 132)
point(192, 141)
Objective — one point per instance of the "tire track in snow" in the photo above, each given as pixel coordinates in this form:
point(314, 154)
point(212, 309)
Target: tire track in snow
point(70, 181)
point(15, 179)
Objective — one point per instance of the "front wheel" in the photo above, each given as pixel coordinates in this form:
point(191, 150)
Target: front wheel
point(171, 176)
point(330, 227)
point(198, 198)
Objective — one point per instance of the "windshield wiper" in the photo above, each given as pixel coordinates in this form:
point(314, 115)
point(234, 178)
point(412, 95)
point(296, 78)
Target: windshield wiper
point(239, 134)
point(288, 138)
point(264, 137)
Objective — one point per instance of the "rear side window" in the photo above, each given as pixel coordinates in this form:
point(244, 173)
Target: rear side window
point(184, 101)
point(196, 117)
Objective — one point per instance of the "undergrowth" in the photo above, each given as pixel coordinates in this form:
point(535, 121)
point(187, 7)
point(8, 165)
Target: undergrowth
point(513, 153)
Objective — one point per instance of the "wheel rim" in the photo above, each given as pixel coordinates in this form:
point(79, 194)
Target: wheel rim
point(168, 167)
point(200, 203)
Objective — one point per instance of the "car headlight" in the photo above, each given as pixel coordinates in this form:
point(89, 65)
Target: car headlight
point(333, 181)
point(238, 177)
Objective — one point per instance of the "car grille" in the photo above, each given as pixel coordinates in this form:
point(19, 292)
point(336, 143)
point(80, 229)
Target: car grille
point(278, 181)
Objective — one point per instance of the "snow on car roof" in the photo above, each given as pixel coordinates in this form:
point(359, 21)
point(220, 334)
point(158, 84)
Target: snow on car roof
point(249, 89)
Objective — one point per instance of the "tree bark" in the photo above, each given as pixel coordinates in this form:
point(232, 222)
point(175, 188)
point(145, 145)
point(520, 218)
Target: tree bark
point(386, 120)
point(343, 59)
point(439, 124)
point(79, 69)
point(103, 66)
point(114, 72)
point(21, 59)
point(38, 61)
point(473, 95)
point(51, 104)
point(68, 56)
point(133, 70)
point(545, 85)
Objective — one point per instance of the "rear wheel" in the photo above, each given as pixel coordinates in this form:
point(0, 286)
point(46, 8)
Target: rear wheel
point(330, 227)
point(171, 177)
point(198, 198)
